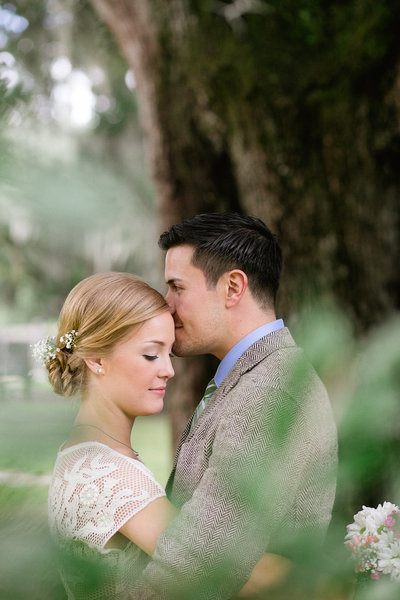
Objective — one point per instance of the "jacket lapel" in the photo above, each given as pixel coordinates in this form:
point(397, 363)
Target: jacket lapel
point(183, 437)
point(249, 359)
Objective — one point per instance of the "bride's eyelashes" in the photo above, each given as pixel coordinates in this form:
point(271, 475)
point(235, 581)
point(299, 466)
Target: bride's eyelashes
point(151, 357)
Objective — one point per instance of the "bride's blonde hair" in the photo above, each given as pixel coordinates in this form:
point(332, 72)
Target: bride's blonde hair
point(103, 309)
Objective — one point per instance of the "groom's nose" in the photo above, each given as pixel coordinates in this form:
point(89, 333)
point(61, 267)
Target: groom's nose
point(170, 301)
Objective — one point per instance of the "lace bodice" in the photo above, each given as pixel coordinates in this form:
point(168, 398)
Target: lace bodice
point(95, 490)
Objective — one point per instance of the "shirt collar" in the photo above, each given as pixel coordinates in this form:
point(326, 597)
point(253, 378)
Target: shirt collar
point(236, 352)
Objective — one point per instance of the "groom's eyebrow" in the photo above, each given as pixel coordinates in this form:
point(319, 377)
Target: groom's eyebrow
point(173, 280)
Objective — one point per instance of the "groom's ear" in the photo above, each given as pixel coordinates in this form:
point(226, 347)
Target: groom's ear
point(235, 285)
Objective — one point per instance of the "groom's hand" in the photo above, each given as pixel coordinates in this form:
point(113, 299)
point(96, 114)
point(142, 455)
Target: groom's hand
point(269, 572)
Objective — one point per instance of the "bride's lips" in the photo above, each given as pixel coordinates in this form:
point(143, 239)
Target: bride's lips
point(160, 391)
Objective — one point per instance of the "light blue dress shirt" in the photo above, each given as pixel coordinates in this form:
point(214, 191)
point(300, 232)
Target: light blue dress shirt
point(236, 352)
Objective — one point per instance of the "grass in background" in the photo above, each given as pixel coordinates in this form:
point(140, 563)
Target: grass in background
point(31, 433)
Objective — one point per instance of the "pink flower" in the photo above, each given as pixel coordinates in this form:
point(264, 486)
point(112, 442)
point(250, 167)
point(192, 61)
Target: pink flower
point(371, 538)
point(389, 521)
point(376, 575)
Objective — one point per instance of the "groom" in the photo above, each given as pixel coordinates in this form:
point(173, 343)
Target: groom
point(254, 469)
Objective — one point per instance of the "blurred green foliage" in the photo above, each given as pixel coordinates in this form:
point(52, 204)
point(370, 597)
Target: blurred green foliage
point(75, 195)
point(364, 386)
point(73, 201)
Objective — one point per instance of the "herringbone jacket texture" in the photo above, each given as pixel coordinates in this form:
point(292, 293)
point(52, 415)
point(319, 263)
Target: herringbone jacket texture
point(256, 471)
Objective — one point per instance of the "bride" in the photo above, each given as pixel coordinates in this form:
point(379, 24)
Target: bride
point(106, 509)
point(113, 348)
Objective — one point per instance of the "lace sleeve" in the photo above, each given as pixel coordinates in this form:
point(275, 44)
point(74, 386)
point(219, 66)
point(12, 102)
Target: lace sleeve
point(95, 490)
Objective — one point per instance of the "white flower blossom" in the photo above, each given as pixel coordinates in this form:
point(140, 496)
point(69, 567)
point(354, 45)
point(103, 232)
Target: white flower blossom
point(389, 557)
point(69, 339)
point(374, 540)
point(44, 350)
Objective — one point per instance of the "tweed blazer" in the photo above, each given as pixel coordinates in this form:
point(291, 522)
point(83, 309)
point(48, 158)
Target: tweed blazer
point(256, 471)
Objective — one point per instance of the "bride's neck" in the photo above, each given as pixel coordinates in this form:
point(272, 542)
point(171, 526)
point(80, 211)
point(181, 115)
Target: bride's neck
point(103, 420)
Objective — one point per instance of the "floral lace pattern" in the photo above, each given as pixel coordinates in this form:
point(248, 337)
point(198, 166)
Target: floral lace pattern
point(94, 491)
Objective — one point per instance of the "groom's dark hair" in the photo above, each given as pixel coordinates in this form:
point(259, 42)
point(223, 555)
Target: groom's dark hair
point(226, 241)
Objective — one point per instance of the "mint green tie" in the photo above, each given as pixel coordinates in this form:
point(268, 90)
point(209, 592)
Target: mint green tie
point(210, 389)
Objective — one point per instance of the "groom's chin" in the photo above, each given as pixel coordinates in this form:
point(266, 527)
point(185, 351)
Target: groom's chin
point(177, 350)
point(182, 349)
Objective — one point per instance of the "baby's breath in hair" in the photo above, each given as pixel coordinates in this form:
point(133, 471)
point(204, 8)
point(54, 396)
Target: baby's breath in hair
point(46, 349)
point(69, 339)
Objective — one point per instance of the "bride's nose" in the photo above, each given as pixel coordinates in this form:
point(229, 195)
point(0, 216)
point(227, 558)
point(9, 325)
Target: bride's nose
point(167, 369)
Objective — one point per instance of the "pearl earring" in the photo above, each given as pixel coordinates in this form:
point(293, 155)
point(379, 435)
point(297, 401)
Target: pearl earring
point(99, 370)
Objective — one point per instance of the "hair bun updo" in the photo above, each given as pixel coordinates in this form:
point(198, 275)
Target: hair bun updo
point(66, 372)
point(99, 311)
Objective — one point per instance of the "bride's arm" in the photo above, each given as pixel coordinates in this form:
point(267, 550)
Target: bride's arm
point(145, 527)
point(270, 570)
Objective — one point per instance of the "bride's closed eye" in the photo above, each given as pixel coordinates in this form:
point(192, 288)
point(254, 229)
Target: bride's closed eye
point(150, 356)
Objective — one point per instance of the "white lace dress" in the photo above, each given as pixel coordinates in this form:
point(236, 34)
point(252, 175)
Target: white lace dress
point(95, 490)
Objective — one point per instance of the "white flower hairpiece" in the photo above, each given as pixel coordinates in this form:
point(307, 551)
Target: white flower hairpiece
point(46, 349)
point(69, 339)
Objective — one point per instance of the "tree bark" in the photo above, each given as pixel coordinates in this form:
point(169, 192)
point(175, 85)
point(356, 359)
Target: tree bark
point(270, 110)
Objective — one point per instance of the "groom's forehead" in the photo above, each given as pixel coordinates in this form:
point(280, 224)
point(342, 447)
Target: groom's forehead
point(179, 266)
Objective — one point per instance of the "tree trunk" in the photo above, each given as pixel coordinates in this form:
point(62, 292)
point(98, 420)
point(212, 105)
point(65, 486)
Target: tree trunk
point(284, 113)
point(166, 117)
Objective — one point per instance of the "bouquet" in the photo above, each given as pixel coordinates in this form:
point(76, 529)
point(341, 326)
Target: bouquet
point(374, 540)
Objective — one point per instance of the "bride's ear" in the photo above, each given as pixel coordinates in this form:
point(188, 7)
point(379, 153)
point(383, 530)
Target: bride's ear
point(95, 365)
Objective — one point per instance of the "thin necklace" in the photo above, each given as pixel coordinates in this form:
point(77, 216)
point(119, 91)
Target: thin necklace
point(107, 434)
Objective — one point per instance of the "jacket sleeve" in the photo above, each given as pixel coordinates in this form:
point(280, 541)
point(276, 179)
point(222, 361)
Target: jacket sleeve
point(262, 453)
